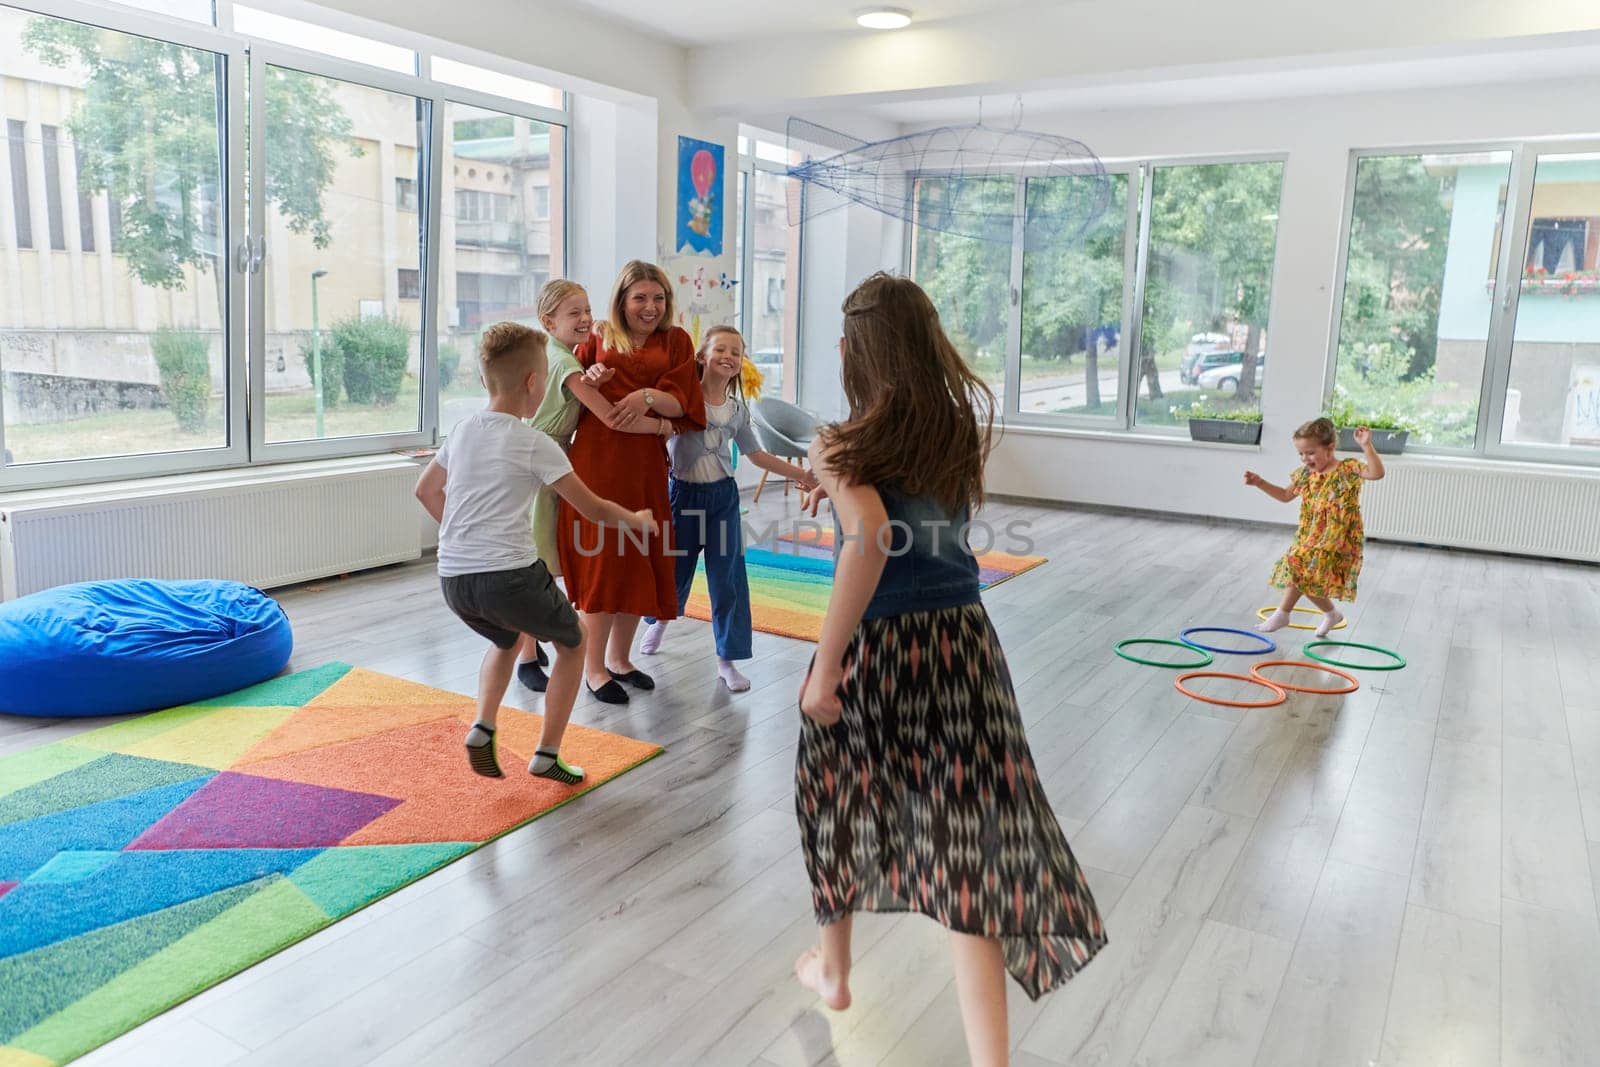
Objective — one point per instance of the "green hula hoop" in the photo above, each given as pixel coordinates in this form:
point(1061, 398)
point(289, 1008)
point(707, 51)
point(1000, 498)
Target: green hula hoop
point(1206, 662)
point(1310, 648)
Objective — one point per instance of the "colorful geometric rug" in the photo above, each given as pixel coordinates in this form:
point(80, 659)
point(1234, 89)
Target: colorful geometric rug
point(146, 861)
point(789, 587)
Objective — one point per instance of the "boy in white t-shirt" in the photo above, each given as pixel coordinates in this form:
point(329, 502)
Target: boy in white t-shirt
point(479, 489)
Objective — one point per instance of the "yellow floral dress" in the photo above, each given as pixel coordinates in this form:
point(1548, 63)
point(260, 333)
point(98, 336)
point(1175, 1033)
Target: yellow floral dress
point(1326, 555)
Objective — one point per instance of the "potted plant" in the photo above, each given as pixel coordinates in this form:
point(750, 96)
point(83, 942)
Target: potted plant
point(1389, 431)
point(1234, 426)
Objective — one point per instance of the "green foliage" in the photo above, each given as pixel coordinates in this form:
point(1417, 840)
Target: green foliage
point(184, 363)
point(373, 353)
point(968, 280)
point(476, 129)
point(146, 126)
point(449, 363)
point(332, 368)
point(1201, 410)
point(1376, 383)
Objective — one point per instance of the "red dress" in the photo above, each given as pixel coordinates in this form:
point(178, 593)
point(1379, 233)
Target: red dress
point(604, 567)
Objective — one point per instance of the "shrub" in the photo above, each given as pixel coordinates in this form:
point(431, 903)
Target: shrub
point(332, 369)
point(449, 363)
point(1200, 410)
point(373, 353)
point(183, 360)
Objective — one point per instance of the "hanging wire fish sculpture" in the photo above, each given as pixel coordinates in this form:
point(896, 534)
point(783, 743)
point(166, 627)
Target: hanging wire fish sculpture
point(954, 179)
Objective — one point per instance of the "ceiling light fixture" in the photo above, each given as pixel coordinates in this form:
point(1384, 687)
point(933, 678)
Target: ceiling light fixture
point(884, 18)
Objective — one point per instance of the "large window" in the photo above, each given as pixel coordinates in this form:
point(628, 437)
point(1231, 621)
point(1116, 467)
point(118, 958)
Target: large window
point(1213, 236)
point(1418, 291)
point(969, 280)
point(111, 350)
point(226, 247)
point(1471, 300)
point(767, 252)
point(1053, 327)
point(343, 350)
point(1072, 301)
point(500, 244)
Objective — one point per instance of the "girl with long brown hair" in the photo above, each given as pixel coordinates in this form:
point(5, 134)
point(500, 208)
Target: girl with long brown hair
point(914, 785)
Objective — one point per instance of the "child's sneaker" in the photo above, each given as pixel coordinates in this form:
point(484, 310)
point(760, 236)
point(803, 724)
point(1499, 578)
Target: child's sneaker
point(480, 752)
point(548, 764)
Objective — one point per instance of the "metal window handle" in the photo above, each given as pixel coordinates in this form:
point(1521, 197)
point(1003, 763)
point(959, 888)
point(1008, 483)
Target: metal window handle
point(260, 255)
point(242, 257)
point(250, 254)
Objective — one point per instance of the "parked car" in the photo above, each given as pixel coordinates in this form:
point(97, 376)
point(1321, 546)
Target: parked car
point(1225, 379)
point(1200, 344)
point(1190, 370)
point(769, 361)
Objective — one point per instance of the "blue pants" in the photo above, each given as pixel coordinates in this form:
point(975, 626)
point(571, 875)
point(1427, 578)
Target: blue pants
point(705, 518)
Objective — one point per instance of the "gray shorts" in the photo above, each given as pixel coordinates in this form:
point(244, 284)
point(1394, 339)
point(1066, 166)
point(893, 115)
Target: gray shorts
point(501, 605)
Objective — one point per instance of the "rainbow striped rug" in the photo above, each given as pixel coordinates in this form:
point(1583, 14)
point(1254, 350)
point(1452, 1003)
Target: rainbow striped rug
point(789, 587)
point(143, 862)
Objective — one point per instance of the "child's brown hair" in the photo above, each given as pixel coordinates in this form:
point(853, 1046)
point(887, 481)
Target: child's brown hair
point(1319, 430)
point(554, 294)
point(508, 353)
point(920, 419)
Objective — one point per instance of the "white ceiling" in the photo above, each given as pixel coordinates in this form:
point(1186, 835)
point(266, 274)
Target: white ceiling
point(702, 22)
point(1499, 62)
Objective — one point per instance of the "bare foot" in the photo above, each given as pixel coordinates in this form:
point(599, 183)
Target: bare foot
point(835, 992)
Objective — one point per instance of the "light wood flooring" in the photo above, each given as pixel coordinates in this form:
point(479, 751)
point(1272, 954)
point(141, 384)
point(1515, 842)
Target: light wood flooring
point(1402, 876)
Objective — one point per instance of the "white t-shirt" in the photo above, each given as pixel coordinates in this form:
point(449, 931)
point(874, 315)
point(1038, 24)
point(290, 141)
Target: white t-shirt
point(494, 465)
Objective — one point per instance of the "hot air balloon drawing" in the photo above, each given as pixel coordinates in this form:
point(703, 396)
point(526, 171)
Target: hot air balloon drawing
point(699, 197)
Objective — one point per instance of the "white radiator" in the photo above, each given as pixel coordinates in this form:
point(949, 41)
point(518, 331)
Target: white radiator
point(265, 526)
point(1525, 509)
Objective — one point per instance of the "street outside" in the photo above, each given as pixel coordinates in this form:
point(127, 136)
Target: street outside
point(1069, 390)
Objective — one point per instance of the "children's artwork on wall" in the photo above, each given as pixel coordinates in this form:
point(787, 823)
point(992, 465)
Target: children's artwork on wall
point(703, 294)
point(699, 197)
point(1583, 406)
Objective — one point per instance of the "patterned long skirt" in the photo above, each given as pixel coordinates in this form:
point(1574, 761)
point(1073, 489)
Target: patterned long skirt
point(924, 797)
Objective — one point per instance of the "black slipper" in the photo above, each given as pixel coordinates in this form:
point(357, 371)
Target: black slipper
point(636, 678)
point(532, 675)
point(610, 693)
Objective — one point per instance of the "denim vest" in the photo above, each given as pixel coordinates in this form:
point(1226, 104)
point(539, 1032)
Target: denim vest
point(929, 564)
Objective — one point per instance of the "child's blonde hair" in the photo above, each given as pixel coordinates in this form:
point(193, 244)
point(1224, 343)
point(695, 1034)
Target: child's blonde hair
point(1319, 430)
point(615, 331)
point(508, 353)
point(705, 347)
point(554, 294)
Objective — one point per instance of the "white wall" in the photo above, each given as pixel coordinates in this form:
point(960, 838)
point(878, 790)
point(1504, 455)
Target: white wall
point(1318, 135)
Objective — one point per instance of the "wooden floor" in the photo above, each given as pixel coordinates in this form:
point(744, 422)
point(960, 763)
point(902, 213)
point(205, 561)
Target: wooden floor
point(1402, 876)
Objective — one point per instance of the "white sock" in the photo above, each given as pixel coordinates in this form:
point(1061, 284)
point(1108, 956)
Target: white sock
point(1276, 621)
point(1329, 621)
point(736, 682)
point(650, 644)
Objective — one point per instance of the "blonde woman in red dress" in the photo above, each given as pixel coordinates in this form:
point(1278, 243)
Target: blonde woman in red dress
point(613, 578)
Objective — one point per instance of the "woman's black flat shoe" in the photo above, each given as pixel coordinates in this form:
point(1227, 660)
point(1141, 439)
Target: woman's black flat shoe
point(610, 693)
point(637, 679)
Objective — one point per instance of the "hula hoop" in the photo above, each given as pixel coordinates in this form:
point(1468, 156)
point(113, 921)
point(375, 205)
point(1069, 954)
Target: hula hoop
point(1274, 686)
point(1271, 645)
point(1158, 663)
point(1255, 672)
point(1311, 647)
point(1263, 613)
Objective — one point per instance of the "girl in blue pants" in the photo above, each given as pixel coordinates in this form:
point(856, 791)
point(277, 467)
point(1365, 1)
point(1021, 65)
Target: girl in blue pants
point(705, 504)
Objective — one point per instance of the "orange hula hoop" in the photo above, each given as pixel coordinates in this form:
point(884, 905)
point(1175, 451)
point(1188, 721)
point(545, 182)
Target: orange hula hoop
point(1355, 684)
point(1282, 695)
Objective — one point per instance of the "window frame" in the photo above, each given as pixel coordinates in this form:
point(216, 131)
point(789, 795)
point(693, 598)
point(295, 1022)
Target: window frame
point(749, 164)
point(1136, 260)
point(231, 149)
point(243, 220)
point(1515, 220)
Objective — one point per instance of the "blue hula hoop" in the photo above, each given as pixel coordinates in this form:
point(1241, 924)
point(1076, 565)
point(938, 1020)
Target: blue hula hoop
point(1269, 643)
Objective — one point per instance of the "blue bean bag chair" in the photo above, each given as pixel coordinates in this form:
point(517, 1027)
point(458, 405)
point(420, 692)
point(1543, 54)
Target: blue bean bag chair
point(108, 648)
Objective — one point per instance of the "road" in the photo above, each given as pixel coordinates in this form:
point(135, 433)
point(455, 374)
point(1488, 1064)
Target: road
point(1068, 390)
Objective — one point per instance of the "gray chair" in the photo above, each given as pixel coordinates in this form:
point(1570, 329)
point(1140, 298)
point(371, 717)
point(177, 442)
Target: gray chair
point(784, 430)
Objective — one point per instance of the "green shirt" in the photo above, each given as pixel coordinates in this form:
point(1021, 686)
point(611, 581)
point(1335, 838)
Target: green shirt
point(559, 410)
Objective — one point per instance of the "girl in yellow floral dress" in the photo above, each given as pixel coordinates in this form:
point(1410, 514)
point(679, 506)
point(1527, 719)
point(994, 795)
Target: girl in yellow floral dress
point(1325, 558)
